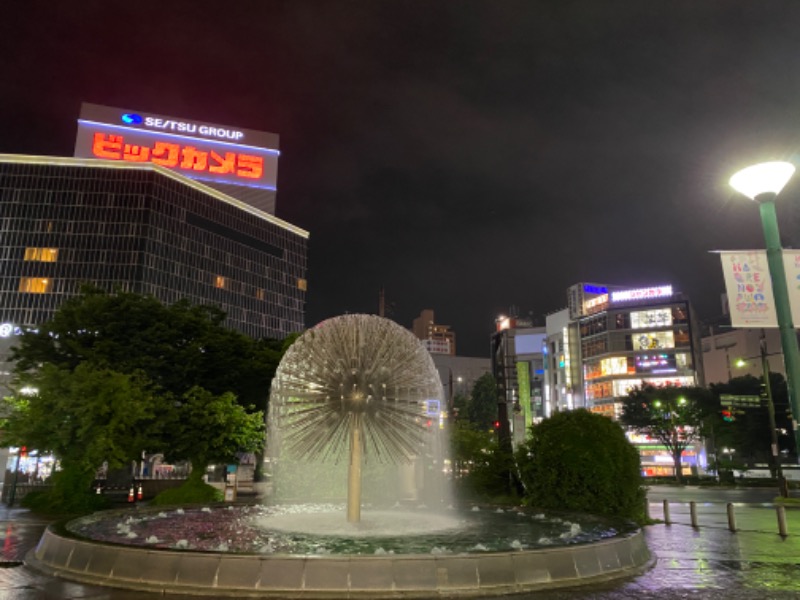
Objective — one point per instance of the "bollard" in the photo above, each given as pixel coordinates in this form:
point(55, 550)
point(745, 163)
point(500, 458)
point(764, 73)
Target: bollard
point(693, 513)
point(782, 528)
point(666, 513)
point(731, 518)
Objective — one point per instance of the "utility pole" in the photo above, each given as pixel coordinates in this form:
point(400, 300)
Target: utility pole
point(776, 456)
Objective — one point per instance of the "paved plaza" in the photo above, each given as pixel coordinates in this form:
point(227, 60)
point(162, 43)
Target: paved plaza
point(708, 562)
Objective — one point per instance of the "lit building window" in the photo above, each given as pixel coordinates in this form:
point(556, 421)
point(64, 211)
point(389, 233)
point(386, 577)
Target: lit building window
point(220, 282)
point(260, 295)
point(302, 284)
point(41, 254)
point(35, 285)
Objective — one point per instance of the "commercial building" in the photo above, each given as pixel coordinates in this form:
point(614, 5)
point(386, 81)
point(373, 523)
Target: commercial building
point(144, 227)
point(611, 339)
point(518, 367)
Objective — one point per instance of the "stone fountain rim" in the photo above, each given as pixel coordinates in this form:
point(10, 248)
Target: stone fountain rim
point(196, 572)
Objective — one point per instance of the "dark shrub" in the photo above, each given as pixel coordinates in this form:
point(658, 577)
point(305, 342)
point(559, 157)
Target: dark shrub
point(579, 461)
point(192, 491)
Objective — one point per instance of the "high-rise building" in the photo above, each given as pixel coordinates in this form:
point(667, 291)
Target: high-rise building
point(438, 339)
point(172, 208)
point(142, 228)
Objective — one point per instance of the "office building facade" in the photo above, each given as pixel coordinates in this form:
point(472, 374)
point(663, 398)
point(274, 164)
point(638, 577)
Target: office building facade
point(143, 228)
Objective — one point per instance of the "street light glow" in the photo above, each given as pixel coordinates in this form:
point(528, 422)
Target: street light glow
point(763, 178)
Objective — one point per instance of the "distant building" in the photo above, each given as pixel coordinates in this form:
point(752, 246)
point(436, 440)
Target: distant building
point(562, 372)
point(518, 367)
point(730, 353)
point(438, 339)
point(612, 338)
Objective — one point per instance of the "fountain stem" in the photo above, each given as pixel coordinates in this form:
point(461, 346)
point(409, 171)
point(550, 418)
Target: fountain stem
point(354, 473)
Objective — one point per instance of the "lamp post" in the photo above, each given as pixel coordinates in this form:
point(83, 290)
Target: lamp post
point(762, 183)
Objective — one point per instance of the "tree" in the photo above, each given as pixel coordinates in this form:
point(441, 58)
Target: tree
point(479, 467)
point(482, 404)
point(177, 347)
point(576, 460)
point(226, 427)
point(102, 353)
point(675, 416)
point(749, 431)
point(84, 417)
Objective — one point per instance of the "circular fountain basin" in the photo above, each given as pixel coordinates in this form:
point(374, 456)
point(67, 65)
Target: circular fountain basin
point(312, 552)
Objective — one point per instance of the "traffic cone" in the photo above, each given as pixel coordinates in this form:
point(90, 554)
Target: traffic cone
point(139, 492)
point(131, 497)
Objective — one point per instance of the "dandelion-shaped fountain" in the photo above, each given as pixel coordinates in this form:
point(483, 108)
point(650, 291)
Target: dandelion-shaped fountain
point(353, 388)
point(356, 391)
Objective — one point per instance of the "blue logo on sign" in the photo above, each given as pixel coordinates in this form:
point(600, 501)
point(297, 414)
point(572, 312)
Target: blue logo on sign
point(131, 118)
point(595, 289)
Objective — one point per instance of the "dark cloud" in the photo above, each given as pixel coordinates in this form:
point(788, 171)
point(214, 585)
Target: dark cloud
point(465, 155)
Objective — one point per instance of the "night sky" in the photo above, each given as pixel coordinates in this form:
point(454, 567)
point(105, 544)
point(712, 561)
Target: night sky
point(466, 156)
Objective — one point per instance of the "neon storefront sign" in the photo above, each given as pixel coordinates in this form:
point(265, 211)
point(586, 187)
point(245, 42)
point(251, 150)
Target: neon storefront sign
point(663, 291)
point(187, 157)
point(198, 150)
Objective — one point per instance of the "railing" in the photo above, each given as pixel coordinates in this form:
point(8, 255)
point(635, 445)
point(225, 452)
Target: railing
point(756, 520)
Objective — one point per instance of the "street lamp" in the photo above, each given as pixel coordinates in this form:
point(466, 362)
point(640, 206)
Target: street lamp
point(762, 183)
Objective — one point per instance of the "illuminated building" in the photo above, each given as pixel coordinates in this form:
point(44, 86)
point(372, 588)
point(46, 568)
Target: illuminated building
point(437, 339)
point(611, 339)
point(153, 205)
point(518, 368)
point(142, 228)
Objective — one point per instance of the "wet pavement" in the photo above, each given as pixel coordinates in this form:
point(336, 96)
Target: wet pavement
point(708, 562)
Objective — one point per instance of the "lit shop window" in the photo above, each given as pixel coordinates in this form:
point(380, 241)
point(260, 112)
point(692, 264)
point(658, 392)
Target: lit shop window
point(653, 341)
point(660, 317)
point(35, 285)
point(220, 282)
point(302, 284)
point(617, 365)
point(41, 254)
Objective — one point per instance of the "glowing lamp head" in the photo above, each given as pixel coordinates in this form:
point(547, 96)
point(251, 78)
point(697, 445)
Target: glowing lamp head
point(763, 178)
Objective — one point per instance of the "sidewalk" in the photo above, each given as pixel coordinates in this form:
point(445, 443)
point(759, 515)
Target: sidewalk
point(710, 562)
